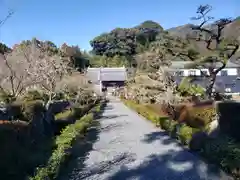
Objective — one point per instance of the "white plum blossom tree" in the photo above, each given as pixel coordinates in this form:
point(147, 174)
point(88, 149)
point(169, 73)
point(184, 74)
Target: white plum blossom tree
point(28, 66)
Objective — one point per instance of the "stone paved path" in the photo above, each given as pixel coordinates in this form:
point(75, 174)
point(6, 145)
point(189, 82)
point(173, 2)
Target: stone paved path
point(129, 147)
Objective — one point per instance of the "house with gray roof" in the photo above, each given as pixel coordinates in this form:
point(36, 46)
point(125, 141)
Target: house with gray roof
point(227, 80)
point(107, 77)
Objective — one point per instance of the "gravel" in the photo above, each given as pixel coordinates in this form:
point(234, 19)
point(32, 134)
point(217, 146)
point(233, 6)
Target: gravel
point(129, 147)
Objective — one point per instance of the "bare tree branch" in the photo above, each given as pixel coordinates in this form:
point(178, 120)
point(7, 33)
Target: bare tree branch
point(10, 13)
point(221, 51)
point(30, 67)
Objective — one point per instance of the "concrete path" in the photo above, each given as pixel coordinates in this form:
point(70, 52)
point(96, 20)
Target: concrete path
point(129, 147)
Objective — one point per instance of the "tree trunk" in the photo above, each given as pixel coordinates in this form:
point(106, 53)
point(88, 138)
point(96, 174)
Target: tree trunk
point(209, 88)
point(49, 117)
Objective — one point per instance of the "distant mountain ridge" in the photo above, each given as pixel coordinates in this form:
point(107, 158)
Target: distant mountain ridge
point(232, 30)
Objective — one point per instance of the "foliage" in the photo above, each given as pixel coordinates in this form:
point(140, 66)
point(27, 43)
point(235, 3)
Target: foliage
point(224, 151)
point(186, 87)
point(75, 57)
point(78, 95)
point(198, 116)
point(25, 110)
point(152, 60)
point(4, 48)
point(32, 108)
point(6, 97)
point(63, 115)
point(220, 49)
point(125, 41)
point(63, 142)
point(186, 133)
point(157, 86)
point(15, 110)
point(19, 153)
point(32, 95)
point(104, 61)
point(164, 123)
point(118, 42)
point(173, 47)
point(149, 36)
point(203, 115)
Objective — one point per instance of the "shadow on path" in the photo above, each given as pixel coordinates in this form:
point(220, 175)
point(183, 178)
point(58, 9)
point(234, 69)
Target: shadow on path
point(113, 116)
point(109, 107)
point(166, 161)
point(172, 165)
point(169, 166)
point(105, 166)
point(80, 151)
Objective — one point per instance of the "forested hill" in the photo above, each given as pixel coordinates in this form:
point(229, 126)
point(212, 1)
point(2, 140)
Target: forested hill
point(123, 44)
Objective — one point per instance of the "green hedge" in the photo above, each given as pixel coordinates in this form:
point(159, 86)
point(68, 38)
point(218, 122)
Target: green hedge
point(63, 115)
point(24, 110)
point(223, 151)
point(63, 143)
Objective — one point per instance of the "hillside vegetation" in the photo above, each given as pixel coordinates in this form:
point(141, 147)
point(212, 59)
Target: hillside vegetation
point(44, 93)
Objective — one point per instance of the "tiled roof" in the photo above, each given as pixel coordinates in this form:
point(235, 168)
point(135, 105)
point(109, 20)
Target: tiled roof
point(107, 74)
point(92, 74)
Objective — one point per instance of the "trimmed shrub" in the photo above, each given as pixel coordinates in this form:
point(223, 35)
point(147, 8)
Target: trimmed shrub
point(64, 115)
point(63, 144)
point(197, 116)
point(59, 95)
point(62, 120)
point(185, 134)
point(174, 111)
point(25, 110)
point(6, 97)
point(164, 122)
point(19, 153)
point(15, 110)
point(79, 111)
point(224, 151)
point(201, 114)
point(32, 108)
point(173, 129)
point(69, 116)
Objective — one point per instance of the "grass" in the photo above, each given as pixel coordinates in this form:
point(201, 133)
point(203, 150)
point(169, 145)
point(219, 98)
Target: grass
point(63, 144)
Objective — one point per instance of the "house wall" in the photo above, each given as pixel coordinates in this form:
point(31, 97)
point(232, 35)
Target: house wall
point(224, 81)
point(197, 72)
